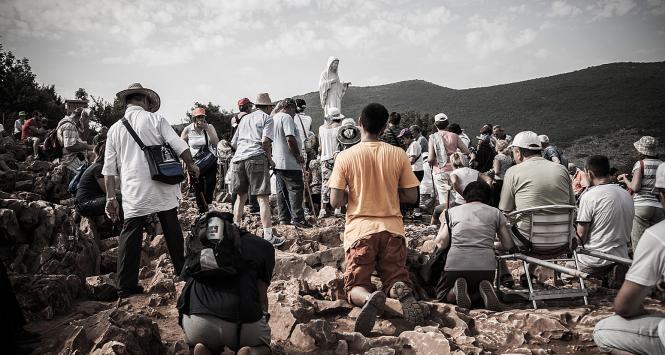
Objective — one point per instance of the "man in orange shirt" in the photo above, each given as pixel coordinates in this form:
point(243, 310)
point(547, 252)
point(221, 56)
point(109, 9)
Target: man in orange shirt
point(374, 177)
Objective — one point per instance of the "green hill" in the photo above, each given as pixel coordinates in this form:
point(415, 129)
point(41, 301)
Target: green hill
point(592, 101)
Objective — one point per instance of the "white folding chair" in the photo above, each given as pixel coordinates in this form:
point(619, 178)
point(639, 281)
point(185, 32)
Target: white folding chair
point(551, 234)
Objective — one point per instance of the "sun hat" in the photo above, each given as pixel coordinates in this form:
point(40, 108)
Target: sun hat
point(153, 99)
point(244, 101)
point(440, 117)
point(660, 176)
point(335, 114)
point(348, 134)
point(527, 140)
point(406, 133)
point(647, 145)
point(543, 138)
point(199, 111)
point(22, 114)
point(263, 99)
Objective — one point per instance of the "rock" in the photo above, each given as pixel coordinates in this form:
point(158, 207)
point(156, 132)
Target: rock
point(383, 350)
point(112, 348)
point(286, 310)
point(9, 227)
point(109, 261)
point(77, 341)
point(102, 288)
point(417, 343)
point(357, 343)
point(161, 283)
point(316, 334)
point(157, 300)
point(23, 185)
point(157, 246)
point(179, 348)
point(49, 294)
point(136, 332)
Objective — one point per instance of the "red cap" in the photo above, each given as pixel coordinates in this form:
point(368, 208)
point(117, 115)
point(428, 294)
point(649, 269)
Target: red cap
point(243, 101)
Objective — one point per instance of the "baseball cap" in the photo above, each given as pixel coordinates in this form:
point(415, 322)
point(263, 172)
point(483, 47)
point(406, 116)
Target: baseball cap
point(440, 117)
point(22, 113)
point(199, 111)
point(243, 101)
point(527, 140)
point(660, 176)
point(405, 132)
point(543, 138)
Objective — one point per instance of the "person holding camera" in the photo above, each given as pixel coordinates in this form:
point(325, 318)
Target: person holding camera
point(648, 210)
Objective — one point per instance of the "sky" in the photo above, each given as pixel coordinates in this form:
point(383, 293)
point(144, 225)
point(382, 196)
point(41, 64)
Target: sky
point(221, 51)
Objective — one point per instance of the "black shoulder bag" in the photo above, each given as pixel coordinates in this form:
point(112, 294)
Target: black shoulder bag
point(163, 161)
point(204, 158)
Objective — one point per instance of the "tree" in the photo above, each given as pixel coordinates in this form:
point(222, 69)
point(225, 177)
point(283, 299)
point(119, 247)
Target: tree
point(411, 118)
point(81, 94)
point(106, 113)
point(19, 91)
point(219, 118)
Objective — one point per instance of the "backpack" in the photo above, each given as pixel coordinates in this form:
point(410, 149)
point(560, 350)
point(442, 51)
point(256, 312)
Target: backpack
point(212, 247)
point(52, 145)
point(74, 183)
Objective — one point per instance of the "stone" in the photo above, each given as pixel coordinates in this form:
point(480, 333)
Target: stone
point(157, 246)
point(161, 283)
point(44, 296)
point(315, 334)
point(383, 350)
point(357, 343)
point(417, 343)
point(9, 227)
point(112, 348)
point(25, 185)
point(109, 260)
point(102, 287)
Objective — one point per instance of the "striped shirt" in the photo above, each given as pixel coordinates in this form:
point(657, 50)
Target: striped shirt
point(647, 196)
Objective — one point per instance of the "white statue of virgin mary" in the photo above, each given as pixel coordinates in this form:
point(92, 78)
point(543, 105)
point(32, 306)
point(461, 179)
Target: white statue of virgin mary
point(331, 89)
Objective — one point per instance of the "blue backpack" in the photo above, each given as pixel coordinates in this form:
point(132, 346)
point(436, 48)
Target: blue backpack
point(74, 183)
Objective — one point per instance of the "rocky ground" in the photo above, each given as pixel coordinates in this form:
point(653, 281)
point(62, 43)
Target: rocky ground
point(62, 268)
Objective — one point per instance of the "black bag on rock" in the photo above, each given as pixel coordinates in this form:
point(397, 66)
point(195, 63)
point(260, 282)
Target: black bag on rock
point(163, 161)
point(204, 158)
point(212, 248)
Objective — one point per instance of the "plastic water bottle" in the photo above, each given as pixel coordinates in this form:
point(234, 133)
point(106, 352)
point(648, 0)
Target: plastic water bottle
point(215, 229)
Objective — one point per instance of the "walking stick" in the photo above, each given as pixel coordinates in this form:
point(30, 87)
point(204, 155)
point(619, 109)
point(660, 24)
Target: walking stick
point(309, 198)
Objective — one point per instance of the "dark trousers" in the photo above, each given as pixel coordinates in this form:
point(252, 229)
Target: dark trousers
point(404, 207)
point(290, 187)
point(95, 207)
point(129, 246)
point(10, 312)
point(206, 183)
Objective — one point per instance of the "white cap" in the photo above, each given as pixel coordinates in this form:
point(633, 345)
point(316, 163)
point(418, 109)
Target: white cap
point(335, 113)
point(348, 121)
point(543, 138)
point(440, 117)
point(660, 176)
point(527, 140)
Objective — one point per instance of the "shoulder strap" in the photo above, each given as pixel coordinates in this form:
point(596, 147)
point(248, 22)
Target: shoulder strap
point(133, 133)
point(205, 135)
point(304, 131)
point(642, 168)
point(450, 232)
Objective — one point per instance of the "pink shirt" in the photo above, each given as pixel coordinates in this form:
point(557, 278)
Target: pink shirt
point(450, 142)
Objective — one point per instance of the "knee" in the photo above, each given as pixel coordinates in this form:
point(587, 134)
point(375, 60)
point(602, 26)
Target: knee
point(603, 333)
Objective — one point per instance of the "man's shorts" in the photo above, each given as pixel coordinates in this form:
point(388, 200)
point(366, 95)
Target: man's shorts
point(384, 252)
point(215, 333)
point(251, 175)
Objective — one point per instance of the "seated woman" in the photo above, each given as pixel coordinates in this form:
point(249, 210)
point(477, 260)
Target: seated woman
point(91, 191)
point(470, 230)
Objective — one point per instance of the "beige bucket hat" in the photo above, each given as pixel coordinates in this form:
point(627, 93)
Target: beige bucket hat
point(153, 99)
point(647, 145)
point(263, 99)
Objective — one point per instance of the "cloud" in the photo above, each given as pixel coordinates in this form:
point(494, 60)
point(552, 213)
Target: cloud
point(542, 53)
point(563, 9)
point(610, 8)
point(488, 36)
point(657, 7)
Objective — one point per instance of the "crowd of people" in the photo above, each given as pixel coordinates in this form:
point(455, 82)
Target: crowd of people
point(373, 172)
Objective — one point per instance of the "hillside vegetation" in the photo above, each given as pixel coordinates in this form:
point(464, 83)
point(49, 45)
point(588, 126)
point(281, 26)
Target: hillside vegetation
point(593, 101)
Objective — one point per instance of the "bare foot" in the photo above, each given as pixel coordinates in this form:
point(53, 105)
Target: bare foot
point(201, 349)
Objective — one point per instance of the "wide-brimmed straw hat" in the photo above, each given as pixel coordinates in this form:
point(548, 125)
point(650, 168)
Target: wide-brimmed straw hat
point(153, 99)
point(647, 145)
point(348, 134)
point(263, 99)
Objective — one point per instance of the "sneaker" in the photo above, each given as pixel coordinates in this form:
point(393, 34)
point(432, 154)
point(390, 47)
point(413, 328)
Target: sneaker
point(461, 294)
point(489, 297)
point(323, 213)
point(417, 215)
point(128, 292)
point(338, 213)
point(302, 224)
point(367, 317)
point(275, 239)
point(412, 310)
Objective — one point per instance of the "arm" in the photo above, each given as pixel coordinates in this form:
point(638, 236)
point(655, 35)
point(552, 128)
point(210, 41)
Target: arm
point(185, 134)
point(339, 198)
point(212, 135)
point(178, 145)
point(555, 159)
point(408, 195)
point(456, 186)
point(505, 237)
point(443, 238)
point(413, 159)
point(293, 148)
point(496, 166)
point(462, 147)
point(112, 207)
point(583, 231)
point(634, 184)
point(431, 153)
point(628, 302)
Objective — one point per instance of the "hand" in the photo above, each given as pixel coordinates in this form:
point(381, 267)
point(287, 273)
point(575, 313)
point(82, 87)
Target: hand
point(112, 210)
point(193, 170)
point(622, 178)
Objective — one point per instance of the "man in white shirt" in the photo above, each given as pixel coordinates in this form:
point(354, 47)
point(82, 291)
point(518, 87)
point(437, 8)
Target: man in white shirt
point(251, 163)
point(288, 166)
point(18, 124)
point(633, 330)
point(142, 196)
point(604, 221)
